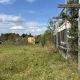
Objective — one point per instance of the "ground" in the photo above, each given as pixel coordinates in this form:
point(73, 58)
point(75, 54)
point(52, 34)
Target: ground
point(32, 62)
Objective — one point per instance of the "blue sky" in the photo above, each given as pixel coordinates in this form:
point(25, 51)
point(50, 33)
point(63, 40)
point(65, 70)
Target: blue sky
point(27, 16)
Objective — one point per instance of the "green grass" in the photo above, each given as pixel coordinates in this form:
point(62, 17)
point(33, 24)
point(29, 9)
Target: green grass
point(31, 62)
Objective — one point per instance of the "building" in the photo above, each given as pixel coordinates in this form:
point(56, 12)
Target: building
point(31, 40)
point(61, 38)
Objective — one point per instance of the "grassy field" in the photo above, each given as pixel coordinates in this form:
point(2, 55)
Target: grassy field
point(35, 63)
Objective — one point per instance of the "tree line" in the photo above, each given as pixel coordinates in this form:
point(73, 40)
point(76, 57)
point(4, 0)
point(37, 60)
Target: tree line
point(13, 37)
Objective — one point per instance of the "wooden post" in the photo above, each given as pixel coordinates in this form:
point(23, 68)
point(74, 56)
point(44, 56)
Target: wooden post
point(66, 32)
point(57, 25)
point(79, 40)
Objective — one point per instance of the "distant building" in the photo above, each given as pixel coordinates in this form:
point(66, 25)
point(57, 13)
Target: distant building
point(31, 40)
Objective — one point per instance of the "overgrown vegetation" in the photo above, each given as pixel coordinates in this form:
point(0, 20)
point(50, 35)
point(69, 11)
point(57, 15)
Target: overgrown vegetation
point(35, 63)
point(47, 38)
point(71, 15)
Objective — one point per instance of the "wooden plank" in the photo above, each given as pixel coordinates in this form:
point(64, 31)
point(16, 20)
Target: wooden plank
point(69, 6)
point(57, 17)
point(62, 47)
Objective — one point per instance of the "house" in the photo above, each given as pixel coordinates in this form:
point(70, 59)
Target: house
point(31, 40)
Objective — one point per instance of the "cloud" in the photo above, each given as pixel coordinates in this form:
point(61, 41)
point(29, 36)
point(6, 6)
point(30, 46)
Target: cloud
point(30, 1)
point(17, 24)
point(10, 22)
point(9, 18)
point(6, 1)
point(17, 27)
point(36, 26)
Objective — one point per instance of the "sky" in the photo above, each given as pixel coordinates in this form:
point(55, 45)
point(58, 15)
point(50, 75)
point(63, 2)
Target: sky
point(27, 16)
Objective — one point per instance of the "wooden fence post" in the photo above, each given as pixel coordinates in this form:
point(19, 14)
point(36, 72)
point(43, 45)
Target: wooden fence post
point(79, 40)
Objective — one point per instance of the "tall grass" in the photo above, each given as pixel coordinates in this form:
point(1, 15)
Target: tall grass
point(31, 62)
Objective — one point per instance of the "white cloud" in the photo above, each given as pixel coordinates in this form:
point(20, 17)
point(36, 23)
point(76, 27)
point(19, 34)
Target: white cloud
point(6, 1)
point(11, 23)
point(30, 1)
point(38, 30)
point(31, 26)
point(17, 27)
point(9, 18)
point(35, 26)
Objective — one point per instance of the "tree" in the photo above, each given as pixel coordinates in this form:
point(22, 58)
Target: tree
point(24, 35)
point(38, 39)
point(30, 35)
point(9, 36)
point(47, 37)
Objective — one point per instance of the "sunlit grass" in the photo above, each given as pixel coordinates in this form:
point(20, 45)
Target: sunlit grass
point(31, 62)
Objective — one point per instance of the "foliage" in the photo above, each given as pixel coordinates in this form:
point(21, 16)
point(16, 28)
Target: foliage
point(73, 32)
point(38, 39)
point(9, 36)
point(47, 37)
point(24, 35)
point(30, 35)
